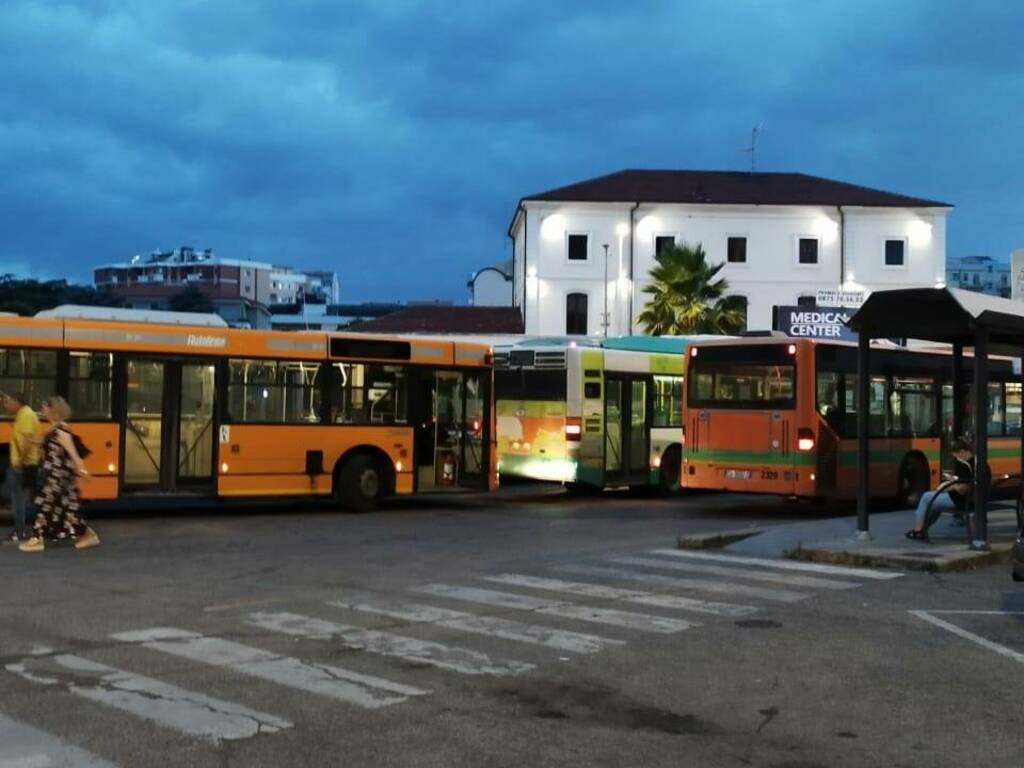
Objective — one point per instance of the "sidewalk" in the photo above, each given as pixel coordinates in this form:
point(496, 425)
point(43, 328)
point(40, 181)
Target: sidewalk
point(834, 541)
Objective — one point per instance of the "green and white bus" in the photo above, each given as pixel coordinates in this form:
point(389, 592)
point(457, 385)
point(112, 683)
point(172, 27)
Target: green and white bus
point(591, 413)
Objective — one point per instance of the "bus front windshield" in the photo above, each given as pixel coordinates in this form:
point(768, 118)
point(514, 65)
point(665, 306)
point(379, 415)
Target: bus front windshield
point(742, 385)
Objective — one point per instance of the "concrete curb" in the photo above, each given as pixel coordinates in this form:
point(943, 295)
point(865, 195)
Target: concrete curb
point(717, 539)
point(966, 560)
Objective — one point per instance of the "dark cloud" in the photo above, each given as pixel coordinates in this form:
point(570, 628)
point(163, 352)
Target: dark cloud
point(390, 140)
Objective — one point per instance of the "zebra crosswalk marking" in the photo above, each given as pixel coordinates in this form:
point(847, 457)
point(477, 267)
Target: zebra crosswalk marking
point(627, 619)
point(460, 660)
point(786, 565)
point(605, 592)
point(22, 746)
point(193, 714)
point(790, 579)
point(334, 682)
point(505, 629)
point(700, 585)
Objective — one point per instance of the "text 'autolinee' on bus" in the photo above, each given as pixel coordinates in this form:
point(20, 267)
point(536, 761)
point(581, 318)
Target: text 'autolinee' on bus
point(591, 414)
point(780, 416)
point(213, 411)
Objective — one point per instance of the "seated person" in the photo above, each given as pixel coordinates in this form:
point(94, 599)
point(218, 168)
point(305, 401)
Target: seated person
point(954, 498)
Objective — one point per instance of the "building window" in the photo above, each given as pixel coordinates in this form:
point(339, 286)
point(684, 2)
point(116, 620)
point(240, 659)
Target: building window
point(576, 314)
point(739, 303)
point(661, 242)
point(807, 301)
point(578, 247)
point(736, 250)
point(808, 250)
point(894, 253)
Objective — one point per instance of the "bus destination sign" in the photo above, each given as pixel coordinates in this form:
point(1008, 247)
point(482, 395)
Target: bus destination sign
point(816, 322)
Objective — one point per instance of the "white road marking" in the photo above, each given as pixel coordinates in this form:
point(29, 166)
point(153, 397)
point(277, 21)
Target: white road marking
point(605, 592)
point(700, 585)
point(22, 746)
point(190, 713)
point(787, 565)
point(460, 660)
point(984, 642)
point(790, 579)
point(334, 682)
point(506, 629)
point(627, 619)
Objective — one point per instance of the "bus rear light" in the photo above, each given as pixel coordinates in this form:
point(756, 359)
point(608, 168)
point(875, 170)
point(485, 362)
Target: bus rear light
point(224, 468)
point(805, 439)
point(573, 430)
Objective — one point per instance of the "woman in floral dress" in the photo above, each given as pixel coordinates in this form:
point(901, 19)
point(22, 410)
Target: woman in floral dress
point(58, 509)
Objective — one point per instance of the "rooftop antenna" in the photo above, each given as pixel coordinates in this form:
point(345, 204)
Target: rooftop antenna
point(752, 149)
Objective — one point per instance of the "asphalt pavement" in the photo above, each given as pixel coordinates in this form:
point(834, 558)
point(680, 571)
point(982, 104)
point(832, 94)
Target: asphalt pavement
point(529, 628)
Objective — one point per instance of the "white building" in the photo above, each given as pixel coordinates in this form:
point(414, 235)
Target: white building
point(782, 236)
point(491, 286)
point(979, 273)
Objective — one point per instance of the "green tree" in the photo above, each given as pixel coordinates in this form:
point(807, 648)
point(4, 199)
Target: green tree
point(191, 299)
point(26, 297)
point(687, 296)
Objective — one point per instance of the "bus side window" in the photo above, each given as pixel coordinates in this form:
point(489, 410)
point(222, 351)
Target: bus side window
point(828, 400)
point(1013, 408)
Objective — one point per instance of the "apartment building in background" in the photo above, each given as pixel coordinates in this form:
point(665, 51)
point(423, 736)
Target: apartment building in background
point(979, 273)
point(241, 290)
point(582, 252)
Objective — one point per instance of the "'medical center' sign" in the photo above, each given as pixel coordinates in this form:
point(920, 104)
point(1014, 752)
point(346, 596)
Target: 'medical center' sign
point(815, 322)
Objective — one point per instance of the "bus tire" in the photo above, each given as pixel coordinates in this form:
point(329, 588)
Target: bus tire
point(914, 480)
point(670, 472)
point(361, 484)
point(582, 489)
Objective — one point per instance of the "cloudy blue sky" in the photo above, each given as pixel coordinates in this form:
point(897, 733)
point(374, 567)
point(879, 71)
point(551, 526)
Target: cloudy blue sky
point(391, 139)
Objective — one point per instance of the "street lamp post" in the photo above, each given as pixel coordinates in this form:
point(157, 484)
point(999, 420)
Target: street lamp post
point(604, 318)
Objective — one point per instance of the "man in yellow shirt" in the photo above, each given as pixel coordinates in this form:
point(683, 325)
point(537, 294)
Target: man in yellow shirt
point(24, 455)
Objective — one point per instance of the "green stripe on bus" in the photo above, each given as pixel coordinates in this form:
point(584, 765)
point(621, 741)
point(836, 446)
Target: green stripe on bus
point(667, 364)
point(887, 456)
point(804, 458)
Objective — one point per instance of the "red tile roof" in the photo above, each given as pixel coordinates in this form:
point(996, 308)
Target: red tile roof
point(728, 187)
point(446, 319)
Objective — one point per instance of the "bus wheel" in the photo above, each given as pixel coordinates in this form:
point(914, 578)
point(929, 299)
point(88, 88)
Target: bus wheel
point(914, 481)
point(360, 484)
point(669, 474)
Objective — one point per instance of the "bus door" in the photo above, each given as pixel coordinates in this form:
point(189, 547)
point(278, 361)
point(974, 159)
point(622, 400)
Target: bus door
point(627, 419)
point(450, 413)
point(168, 441)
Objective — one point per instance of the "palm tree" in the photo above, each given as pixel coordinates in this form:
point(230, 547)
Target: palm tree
point(688, 297)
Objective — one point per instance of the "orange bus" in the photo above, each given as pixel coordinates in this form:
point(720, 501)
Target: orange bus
point(773, 415)
point(219, 412)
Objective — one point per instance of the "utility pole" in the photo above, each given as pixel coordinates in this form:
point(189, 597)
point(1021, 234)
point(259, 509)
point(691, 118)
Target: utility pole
point(605, 319)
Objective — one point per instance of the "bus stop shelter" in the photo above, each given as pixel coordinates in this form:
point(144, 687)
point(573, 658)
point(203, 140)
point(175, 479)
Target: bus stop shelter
point(988, 325)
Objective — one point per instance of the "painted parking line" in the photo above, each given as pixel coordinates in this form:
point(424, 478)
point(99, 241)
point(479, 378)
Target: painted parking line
point(505, 629)
point(693, 585)
point(788, 579)
point(605, 592)
point(22, 746)
point(188, 712)
point(984, 642)
point(495, 599)
point(333, 682)
point(786, 565)
point(461, 660)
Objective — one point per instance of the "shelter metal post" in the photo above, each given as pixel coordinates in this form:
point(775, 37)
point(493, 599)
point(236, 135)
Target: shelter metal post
point(981, 478)
point(958, 390)
point(863, 441)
